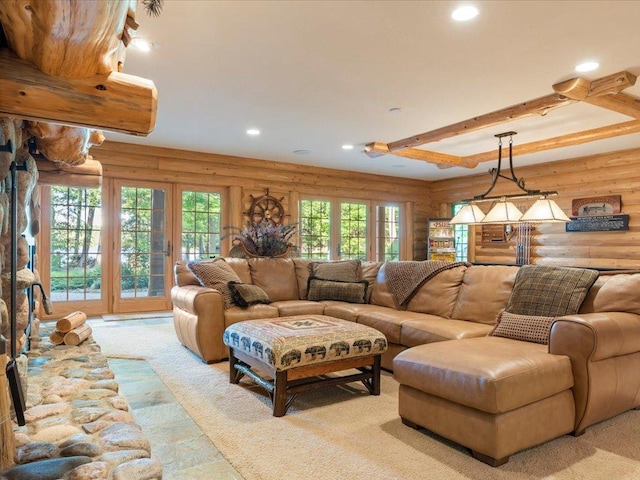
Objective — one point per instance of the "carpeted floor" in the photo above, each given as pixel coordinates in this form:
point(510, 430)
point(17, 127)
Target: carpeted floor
point(344, 433)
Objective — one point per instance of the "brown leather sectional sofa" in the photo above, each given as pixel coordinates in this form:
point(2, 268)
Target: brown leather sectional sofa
point(494, 395)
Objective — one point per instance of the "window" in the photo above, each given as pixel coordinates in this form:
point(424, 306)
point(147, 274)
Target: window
point(75, 270)
point(315, 229)
point(461, 235)
point(388, 233)
point(353, 231)
point(200, 225)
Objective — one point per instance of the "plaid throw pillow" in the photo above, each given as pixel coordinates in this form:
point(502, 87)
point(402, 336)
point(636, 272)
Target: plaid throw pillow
point(528, 328)
point(340, 271)
point(215, 274)
point(548, 291)
point(246, 294)
point(352, 292)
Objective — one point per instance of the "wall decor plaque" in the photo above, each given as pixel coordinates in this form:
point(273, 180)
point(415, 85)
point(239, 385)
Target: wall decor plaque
point(590, 206)
point(599, 223)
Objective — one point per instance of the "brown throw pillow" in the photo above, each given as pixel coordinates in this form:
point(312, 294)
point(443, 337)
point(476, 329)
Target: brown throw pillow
point(339, 271)
point(247, 294)
point(549, 291)
point(215, 274)
point(528, 328)
point(352, 292)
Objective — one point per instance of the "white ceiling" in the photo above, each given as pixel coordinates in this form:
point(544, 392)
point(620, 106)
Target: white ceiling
point(315, 75)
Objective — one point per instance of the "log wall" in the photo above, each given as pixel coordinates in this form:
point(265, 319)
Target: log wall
point(616, 173)
point(244, 177)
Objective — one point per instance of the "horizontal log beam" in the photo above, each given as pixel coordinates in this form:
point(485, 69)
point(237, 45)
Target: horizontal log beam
point(568, 140)
point(540, 106)
point(377, 149)
point(117, 102)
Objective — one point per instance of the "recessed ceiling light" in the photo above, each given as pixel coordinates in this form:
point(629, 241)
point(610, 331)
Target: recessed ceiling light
point(141, 44)
point(347, 147)
point(464, 13)
point(302, 152)
point(587, 67)
point(253, 131)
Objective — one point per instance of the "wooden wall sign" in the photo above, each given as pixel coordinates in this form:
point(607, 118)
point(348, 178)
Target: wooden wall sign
point(604, 205)
point(599, 223)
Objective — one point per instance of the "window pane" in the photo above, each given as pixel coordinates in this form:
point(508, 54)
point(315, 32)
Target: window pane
point(461, 236)
point(315, 229)
point(75, 244)
point(200, 225)
point(388, 233)
point(353, 231)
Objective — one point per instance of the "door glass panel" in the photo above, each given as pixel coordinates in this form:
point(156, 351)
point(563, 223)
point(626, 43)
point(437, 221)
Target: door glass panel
point(315, 229)
point(75, 271)
point(200, 225)
point(143, 242)
point(353, 231)
point(388, 233)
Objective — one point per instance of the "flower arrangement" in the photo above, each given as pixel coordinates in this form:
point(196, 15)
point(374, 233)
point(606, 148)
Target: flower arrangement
point(263, 239)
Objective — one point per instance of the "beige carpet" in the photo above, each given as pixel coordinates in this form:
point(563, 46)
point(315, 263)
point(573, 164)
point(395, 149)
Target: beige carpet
point(344, 433)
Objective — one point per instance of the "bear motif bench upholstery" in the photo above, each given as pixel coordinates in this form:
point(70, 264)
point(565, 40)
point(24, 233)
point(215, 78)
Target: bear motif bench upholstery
point(294, 350)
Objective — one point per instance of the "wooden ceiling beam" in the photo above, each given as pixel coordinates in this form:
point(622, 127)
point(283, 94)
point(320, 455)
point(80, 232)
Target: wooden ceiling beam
point(540, 106)
point(378, 149)
point(568, 140)
point(117, 102)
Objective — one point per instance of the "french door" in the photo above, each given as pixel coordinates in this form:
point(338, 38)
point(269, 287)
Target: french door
point(142, 246)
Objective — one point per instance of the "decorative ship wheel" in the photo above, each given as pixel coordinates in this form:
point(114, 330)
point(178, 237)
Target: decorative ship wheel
point(266, 208)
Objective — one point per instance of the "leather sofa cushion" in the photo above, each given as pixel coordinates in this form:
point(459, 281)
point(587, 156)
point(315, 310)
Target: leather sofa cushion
point(241, 267)
point(438, 296)
point(237, 314)
point(289, 308)
point(276, 276)
point(369, 273)
point(431, 328)
point(381, 294)
point(614, 293)
point(348, 311)
point(491, 374)
point(484, 292)
point(388, 321)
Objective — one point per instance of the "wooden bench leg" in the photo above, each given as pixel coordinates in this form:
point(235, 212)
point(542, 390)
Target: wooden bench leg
point(375, 380)
point(234, 374)
point(280, 394)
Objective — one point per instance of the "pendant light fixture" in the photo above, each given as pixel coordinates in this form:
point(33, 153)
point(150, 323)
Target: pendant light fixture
point(504, 211)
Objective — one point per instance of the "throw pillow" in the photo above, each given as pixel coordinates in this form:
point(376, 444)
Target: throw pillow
point(339, 271)
point(247, 294)
point(215, 274)
point(352, 292)
point(550, 291)
point(529, 328)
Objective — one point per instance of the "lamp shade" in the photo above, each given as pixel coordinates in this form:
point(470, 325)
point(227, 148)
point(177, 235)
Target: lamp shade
point(503, 212)
point(544, 210)
point(470, 214)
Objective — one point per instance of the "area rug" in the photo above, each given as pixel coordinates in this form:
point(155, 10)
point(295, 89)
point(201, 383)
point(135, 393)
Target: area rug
point(345, 433)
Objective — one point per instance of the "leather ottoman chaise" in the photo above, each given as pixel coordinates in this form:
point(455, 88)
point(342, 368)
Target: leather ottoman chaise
point(295, 351)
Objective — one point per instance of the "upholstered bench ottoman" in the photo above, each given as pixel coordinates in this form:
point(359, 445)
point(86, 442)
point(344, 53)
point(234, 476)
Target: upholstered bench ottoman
point(494, 395)
point(287, 355)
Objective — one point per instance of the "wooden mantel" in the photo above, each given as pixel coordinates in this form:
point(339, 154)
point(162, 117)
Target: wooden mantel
point(605, 92)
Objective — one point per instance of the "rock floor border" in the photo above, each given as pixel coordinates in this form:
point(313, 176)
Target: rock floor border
point(77, 425)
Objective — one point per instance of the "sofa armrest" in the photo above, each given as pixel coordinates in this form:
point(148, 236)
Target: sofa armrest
point(604, 349)
point(198, 317)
